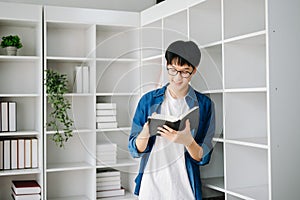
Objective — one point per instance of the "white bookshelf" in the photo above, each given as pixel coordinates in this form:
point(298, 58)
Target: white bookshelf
point(21, 81)
point(240, 70)
point(110, 47)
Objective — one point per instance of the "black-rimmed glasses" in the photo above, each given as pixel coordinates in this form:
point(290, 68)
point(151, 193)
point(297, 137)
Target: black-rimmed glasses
point(173, 72)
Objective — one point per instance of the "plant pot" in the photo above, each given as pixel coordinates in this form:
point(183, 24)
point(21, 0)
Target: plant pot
point(11, 51)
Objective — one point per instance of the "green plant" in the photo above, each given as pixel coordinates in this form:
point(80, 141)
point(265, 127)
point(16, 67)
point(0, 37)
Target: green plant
point(56, 87)
point(11, 40)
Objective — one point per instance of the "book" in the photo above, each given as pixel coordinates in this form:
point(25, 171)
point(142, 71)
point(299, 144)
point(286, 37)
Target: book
point(109, 178)
point(27, 153)
point(14, 153)
point(78, 79)
point(34, 153)
point(26, 196)
point(4, 116)
point(106, 125)
point(6, 154)
point(21, 153)
point(12, 108)
point(108, 187)
point(106, 147)
point(105, 112)
point(107, 183)
point(1, 155)
point(176, 123)
point(85, 79)
point(107, 172)
point(111, 193)
point(105, 106)
point(106, 118)
point(25, 187)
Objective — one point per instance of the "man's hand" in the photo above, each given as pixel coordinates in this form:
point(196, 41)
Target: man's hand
point(182, 137)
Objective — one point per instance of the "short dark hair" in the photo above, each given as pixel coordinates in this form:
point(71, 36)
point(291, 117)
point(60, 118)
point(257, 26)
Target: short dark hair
point(172, 57)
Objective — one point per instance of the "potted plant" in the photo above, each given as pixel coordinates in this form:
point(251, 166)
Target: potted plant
point(59, 121)
point(12, 43)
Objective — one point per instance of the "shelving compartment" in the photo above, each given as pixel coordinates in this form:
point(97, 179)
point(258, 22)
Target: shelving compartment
point(151, 42)
point(115, 42)
point(206, 22)
point(175, 27)
point(14, 73)
point(243, 17)
point(29, 33)
point(117, 76)
point(62, 159)
point(28, 114)
point(125, 107)
point(212, 175)
point(6, 182)
point(252, 126)
point(68, 67)
point(80, 112)
point(209, 72)
point(217, 98)
point(71, 185)
point(241, 163)
point(153, 74)
point(245, 63)
point(69, 40)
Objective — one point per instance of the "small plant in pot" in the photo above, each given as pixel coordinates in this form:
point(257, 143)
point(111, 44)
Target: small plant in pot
point(12, 43)
point(59, 121)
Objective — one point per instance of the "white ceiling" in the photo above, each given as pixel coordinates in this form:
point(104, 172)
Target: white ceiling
point(126, 5)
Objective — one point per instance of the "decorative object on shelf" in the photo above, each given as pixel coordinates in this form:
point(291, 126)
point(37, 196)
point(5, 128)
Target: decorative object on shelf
point(12, 43)
point(56, 87)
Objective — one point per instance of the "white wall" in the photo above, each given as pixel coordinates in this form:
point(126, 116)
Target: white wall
point(126, 5)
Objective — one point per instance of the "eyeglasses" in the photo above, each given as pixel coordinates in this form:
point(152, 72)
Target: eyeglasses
point(173, 72)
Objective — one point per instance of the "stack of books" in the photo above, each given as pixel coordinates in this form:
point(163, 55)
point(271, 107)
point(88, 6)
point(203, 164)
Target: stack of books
point(109, 183)
point(25, 190)
point(21, 153)
point(106, 115)
point(8, 112)
point(106, 153)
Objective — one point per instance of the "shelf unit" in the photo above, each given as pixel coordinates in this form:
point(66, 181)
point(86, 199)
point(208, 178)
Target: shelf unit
point(109, 46)
point(239, 73)
point(21, 82)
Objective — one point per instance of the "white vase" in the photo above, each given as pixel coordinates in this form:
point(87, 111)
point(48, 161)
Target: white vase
point(11, 51)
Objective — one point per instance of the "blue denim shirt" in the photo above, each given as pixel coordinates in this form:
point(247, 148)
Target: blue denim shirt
point(151, 102)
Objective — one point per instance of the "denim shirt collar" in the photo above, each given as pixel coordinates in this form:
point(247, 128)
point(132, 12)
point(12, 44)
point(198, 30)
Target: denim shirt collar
point(190, 98)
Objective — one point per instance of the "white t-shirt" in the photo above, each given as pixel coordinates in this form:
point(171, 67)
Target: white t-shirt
point(165, 176)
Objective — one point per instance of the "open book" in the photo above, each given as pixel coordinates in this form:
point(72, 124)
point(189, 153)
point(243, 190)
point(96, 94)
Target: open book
point(176, 123)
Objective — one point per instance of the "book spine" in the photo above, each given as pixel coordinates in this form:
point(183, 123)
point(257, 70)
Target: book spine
point(85, 79)
point(12, 108)
point(78, 79)
point(14, 154)
point(1, 155)
point(34, 153)
point(27, 153)
point(6, 155)
point(21, 154)
point(4, 116)
point(106, 106)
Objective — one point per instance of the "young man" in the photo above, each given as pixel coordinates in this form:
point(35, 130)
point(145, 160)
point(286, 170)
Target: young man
point(169, 166)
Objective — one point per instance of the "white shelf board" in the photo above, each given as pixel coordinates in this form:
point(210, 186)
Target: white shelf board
point(68, 59)
point(57, 167)
point(250, 193)
point(117, 94)
point(216, 183)
point(259, 142)
point(250, 35)
point(70, 198)
point(74, 131)
point(120, 163)
point(79, 95)
point(127, 196)
point(19, 133)
point(114, 129)
point(117, 60)
point(14, 172)
point(237, 90)
point(18, 58)
point(19, 95)
point(212, 91)
point(152, 57)
point(210, 44)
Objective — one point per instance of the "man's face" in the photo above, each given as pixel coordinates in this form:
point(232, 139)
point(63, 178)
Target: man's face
point(180, 76)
